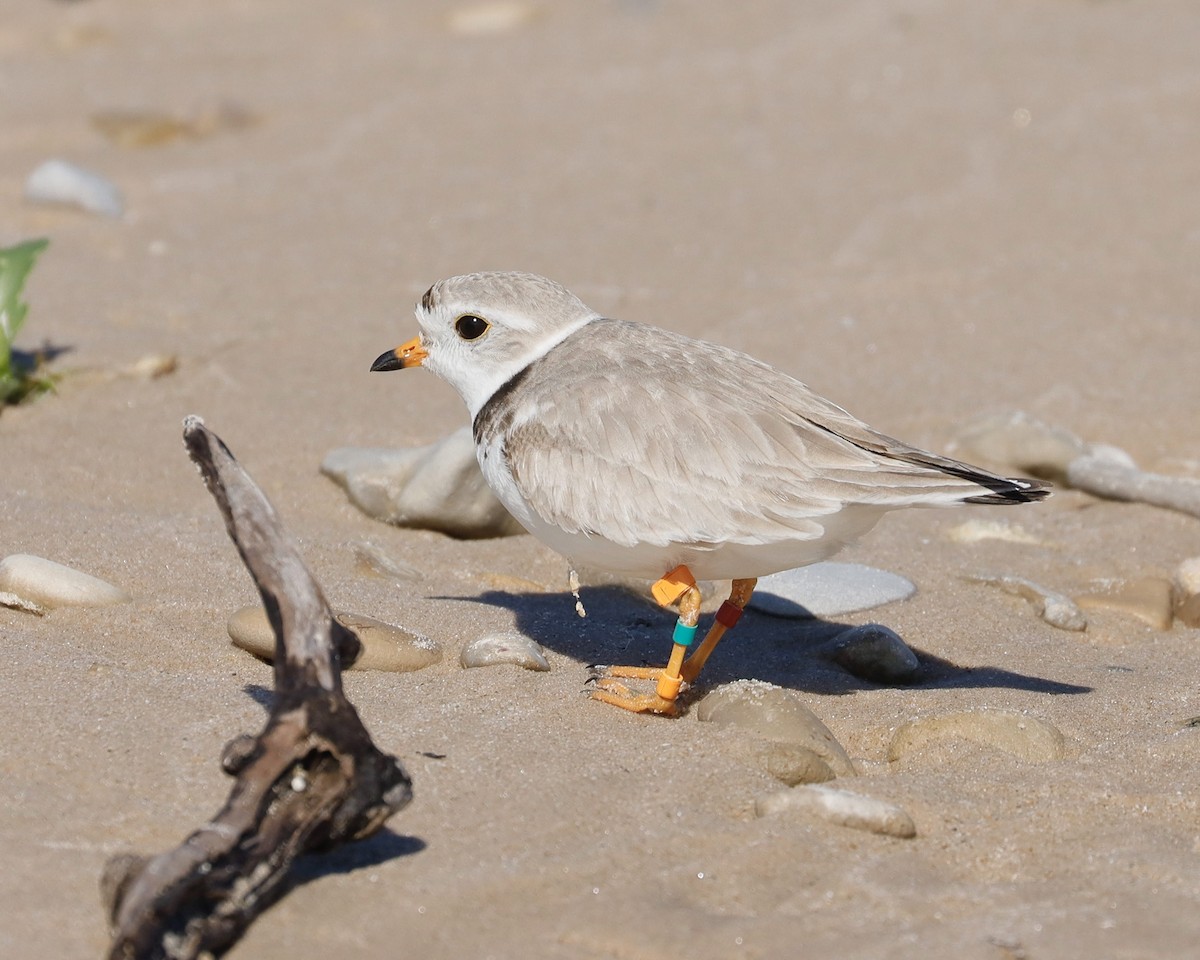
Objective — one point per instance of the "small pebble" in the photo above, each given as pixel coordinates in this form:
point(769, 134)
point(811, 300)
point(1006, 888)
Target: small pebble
point(48, 584)
point(839, 807)
point(873, 652)
point(1149, 599)
point(1187, 592)
point(1055, 608)
point(384, 646)
point(498, 16)
point(828, 589)
point(774, 714)
point(435, 487)
point(511, 647)
point(974, 531)
point(792, 763)
point(1028, 738)
point(57, 181)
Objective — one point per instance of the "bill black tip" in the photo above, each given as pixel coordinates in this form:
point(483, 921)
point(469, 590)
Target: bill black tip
point(387, 361)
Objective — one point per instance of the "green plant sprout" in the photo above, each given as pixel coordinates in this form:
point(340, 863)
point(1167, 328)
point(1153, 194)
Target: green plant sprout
point(18, 378)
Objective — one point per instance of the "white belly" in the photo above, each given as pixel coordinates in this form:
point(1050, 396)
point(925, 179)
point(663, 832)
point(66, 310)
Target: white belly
point(649, 561)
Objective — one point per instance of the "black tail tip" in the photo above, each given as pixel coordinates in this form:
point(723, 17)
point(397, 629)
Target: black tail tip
point(1015, 490)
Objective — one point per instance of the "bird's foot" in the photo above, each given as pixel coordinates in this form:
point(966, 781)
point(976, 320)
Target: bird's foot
point(607, 688)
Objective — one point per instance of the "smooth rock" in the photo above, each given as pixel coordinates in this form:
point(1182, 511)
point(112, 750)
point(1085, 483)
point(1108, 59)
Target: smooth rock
point(1187, 592)
point(1055, 608)
point(839, 807)
point(792, 763)
point(771, 713)
point(828, 589)
point(1149, 599)
point(49, 584)
point(873, 652)
point(384, 645)
point(1016, 439)
point(57, 181)
point(510, 647)
point(436, 487)
point(1026, 737)
point(1109, 472)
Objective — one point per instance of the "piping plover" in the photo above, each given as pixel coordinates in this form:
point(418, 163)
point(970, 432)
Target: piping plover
point(647, 453)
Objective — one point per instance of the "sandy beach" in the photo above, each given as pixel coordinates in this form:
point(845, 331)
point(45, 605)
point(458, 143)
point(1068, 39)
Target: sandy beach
point(929, 212)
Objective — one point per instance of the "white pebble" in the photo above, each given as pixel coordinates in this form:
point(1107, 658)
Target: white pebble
point(828, 590)
point(840, 807)
point(49, 584)
point(57, 181)
point(497, 648)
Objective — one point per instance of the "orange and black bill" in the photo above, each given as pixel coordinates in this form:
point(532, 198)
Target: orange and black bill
point(409, 354)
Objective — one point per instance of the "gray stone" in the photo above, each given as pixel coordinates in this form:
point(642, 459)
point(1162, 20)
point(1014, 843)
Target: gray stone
point(436, 487)
point(839, 807)
point(828, 589)
point(500, 648)
point(47, 584)
point(57, 181)
point(873, 652)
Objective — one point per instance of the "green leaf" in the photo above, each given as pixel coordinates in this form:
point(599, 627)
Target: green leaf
point(15, 264)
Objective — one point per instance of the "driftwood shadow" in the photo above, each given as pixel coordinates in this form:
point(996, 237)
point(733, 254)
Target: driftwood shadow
point(622, 628)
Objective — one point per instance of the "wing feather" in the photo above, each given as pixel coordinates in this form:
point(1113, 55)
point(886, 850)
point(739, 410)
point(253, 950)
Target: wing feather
point(637, 434)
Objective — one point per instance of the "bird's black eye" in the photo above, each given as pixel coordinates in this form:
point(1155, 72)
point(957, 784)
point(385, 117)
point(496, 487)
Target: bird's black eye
point(471, 327)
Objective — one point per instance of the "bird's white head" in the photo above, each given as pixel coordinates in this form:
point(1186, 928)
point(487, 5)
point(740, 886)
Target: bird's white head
point(480, 329)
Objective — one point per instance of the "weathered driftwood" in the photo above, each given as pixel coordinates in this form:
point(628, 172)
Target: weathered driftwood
point(311, 780)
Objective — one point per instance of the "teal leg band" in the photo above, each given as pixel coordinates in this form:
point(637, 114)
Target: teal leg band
point(684, 635)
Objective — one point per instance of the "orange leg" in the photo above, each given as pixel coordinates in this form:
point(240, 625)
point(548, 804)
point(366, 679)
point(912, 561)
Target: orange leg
point(727, 616)
point(679, 587)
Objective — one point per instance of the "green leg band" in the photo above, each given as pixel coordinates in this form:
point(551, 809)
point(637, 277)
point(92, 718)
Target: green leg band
point(684, 635)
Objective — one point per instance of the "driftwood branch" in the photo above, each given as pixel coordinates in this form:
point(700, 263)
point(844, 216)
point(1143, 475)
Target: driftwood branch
point(311, 780)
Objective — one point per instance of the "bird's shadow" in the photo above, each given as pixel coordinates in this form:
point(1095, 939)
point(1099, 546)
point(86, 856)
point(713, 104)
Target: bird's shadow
point(622, 628)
